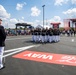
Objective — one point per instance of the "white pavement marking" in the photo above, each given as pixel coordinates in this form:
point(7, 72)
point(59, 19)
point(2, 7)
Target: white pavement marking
point(18, 38)
point(14, 49)
point(69, 40)
point(72, 40)
point(19, 50)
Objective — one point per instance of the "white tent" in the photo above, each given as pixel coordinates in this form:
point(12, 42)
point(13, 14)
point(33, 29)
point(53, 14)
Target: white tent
point(39, 26)
point(45, 26)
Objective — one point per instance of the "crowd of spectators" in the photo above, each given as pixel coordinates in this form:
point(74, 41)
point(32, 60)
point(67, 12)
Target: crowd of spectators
point(69, 32)
point(14, 32)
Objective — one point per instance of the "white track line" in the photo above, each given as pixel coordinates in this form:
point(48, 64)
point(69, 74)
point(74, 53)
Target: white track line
point(19, 50)
point(14, 49)
point(17, 38)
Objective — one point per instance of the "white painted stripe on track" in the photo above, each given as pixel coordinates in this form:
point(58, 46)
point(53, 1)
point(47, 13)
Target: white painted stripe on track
point(17, 38)
point(19, 50)
point(14, 49)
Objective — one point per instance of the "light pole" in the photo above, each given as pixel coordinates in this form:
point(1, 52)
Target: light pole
point(43, 15)
point(7, 25)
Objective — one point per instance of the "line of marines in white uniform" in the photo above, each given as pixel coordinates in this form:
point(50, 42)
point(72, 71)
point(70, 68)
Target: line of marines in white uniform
point(45, 35)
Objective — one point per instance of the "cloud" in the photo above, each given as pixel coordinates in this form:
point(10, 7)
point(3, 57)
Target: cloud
point(35, 11)
point(55, 19)
point(71, 13)
point(37, 22)
point(73, 1)
point(20, 6)
point(22, 17)
point(9, 23)
point(13, 21)
point(30, 23)
point(3, 13)
point(60, 2)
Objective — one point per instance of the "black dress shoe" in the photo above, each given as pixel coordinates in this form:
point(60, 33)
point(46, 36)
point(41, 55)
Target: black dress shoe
point(2, 68)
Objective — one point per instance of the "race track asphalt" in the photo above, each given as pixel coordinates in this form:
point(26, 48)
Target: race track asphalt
point(17, 66)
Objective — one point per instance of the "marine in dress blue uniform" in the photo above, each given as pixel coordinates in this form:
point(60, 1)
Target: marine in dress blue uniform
point(2, 44)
